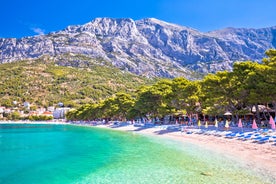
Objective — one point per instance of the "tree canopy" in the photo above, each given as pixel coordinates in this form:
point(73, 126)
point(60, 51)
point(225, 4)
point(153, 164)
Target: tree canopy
point(249, 84)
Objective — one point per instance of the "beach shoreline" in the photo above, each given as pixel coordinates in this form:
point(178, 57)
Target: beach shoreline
point(260, 157)
point(35, 122)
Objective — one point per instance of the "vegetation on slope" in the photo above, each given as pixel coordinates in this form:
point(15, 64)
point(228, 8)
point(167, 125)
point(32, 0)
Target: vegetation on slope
point(72, 80)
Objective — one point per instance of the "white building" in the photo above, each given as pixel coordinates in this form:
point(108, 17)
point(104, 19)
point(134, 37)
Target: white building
point(2, 110)
point(59, 113)
point(51, 108)
point(27, 105)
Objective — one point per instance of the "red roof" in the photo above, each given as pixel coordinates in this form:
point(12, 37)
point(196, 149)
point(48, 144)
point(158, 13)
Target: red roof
point(47, 113)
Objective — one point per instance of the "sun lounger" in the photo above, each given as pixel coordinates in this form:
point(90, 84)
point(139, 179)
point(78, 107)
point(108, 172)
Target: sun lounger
point(244, 136)
point(257, 138)
point(241, 136)
point(247, 137)
point(200, 132)
point(264, 139)
point(209, 132)
point(173, 128)
point(230, 135)
point(222, 133)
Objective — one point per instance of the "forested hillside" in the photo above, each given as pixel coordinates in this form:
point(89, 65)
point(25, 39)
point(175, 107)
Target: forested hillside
point(45, 82)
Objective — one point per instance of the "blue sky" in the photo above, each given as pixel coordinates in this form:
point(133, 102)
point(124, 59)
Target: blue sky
point(20, 18)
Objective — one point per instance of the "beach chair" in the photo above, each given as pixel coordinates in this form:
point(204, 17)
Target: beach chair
point(247, 137)
point(230, 135)
point(274, 142)
point(257, 138)
point(209, 132)
point(241, 136)
point(173, 128)
point(184, 129)
point(264, 139)
point(222, 133)
point(200, 131)
point(255, 135)
point(244, 136)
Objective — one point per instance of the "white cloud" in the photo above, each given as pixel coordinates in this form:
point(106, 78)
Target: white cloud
point(38, 30)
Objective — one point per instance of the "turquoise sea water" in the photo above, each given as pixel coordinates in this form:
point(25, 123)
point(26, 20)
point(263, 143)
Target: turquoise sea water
point(74, 154)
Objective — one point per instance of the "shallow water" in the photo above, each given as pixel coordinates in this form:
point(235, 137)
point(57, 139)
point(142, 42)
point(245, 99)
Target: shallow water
point(73, 154)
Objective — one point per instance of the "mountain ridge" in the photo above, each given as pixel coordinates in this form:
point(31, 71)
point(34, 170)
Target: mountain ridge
point(147, 47)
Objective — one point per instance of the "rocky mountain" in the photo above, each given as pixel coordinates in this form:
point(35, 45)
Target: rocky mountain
point(147, 47)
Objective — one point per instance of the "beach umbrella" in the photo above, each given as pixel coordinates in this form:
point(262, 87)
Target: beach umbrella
point(198, 123)
point(240, 123)
point(216, 123)
point(254, 125)
point(272, 123)
point(206, 124)
point(271, 120)
point(273, 126)
point(190, 119)
point(228, 113)
point(226, 124)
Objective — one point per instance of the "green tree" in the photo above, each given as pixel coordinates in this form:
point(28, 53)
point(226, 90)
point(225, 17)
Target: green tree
point(255, 82)
point(214, 99)
point(249, 84)
point(152, 101)
point(15, 115)
point(124, 103)
point(72, 115)
point(270, 76)
point(185, 95)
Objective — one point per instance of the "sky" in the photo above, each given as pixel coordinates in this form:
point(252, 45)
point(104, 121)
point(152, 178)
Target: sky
point(20, 18)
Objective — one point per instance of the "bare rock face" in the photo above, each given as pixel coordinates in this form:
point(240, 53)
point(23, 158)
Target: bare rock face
point(148, 47)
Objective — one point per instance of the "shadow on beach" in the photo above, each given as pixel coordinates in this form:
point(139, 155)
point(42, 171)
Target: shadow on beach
point(161, 132)
point(142, 127)
point(119, 125)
